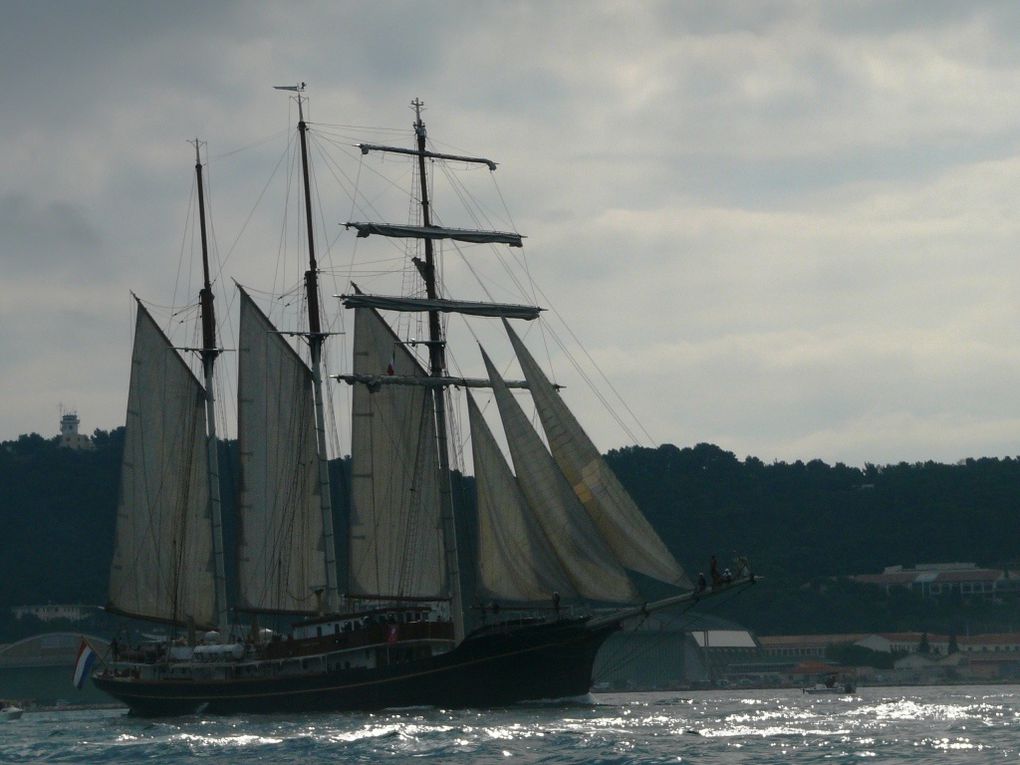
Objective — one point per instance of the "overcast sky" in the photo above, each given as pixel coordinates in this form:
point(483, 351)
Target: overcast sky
point(787, 228)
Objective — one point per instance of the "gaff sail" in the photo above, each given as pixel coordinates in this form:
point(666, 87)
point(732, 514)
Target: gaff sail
point(162, 560)
point(395, 531)
point(280, 546)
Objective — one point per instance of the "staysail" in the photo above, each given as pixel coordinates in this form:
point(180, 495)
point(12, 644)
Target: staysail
point(515, 560)
point(162, 561)
point(583, 554)
point(628, 533)
point(395, 538)
point(280, 558)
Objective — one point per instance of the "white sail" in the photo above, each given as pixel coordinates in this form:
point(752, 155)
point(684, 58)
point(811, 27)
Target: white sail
point(628, 533)
point(162, 561)
point(395, 538)
point(515, 559)
point(280, 555)
point(584, 555)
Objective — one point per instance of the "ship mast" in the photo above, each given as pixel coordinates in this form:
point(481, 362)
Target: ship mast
point(316, 337)
point(437, 368)
point(209, 352)
point(437, 380)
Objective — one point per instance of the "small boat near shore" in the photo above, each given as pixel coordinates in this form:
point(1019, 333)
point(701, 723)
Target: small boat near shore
point(833, 685)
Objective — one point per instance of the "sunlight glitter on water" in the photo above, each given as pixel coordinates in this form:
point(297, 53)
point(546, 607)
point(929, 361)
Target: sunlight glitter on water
point(238, 740)
point(777, 714)
point(771, 731)
point(400, 730)
point(958, 726)
point(947, 745)
point(512, 732)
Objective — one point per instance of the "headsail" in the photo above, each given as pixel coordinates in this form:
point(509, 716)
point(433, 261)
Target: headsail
point(162, 560)
point(395, 528)
point(589, 563)
point(631, 538)
point(515, 560)
point(280, 560)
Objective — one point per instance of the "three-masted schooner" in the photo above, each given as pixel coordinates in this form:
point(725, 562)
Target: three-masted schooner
point(558, 529)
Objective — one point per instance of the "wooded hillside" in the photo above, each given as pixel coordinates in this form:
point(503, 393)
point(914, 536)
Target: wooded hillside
point(803, 525)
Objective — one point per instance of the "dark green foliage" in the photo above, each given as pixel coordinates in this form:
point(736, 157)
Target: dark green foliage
point(57, 510)
point(805, 527)
point(808, 520)
point(803, 524)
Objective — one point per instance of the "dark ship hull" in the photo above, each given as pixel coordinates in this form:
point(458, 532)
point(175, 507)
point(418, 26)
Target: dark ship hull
point(491, 667)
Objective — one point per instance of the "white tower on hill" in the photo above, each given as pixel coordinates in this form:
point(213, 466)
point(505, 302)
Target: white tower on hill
point(69, 436)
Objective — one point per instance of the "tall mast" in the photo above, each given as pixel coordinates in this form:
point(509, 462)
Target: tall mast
point(209, 353)
point(437, 364)
point(330, 603)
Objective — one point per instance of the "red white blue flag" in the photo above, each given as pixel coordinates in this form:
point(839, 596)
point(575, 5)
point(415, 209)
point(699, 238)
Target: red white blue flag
point(82, 667)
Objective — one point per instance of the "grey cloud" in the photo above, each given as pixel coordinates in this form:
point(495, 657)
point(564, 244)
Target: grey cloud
point(878, 19)
point(48, 239)
point(799, 213)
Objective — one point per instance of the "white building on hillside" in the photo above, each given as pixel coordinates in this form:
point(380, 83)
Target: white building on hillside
point(70, 438)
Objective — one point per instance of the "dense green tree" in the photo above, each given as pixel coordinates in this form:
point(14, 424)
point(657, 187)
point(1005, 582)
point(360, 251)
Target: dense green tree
point(806, 527)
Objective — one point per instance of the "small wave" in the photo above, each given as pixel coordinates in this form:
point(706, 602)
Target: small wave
point(584, 700)
point(412, 708)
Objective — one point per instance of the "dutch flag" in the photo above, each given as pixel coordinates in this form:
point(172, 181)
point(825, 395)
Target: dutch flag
point(84, 664)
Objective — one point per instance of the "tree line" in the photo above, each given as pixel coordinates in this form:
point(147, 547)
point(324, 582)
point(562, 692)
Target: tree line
point(806, 527)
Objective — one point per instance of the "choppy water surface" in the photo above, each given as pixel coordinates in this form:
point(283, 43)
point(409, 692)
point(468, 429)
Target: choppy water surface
point(881, 725)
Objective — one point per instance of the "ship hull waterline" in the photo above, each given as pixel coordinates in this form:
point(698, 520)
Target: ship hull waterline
point(549, 661)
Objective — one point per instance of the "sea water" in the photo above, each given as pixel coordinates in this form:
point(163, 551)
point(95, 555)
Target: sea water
point(959, 724)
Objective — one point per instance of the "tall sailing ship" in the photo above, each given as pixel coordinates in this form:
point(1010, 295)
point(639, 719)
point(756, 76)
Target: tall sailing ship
point(557, 535)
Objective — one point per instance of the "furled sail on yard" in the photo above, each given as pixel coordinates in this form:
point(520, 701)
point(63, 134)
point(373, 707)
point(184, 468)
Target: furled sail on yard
point(280, 560)
point(162, 560)
point(628, 533)
point(438, 232)
point(465, 307)
point(584, 555)
point(395, 530)
point(515, 559)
